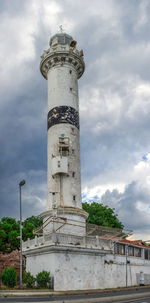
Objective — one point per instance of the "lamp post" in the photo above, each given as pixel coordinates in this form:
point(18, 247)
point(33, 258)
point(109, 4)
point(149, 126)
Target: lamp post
point(22, 183)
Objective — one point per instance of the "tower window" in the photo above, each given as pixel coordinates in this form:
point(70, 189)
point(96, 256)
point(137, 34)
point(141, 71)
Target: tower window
point(74, 198)
point(71, 89)
point(72, 151)
point(58, 163)
point(70, 71)
point(72, 129)
point(73, 174)
point(64, 146)
point(64, 151)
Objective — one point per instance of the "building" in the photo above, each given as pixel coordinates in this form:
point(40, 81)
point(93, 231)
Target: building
point(75, 258)
point(91, 262)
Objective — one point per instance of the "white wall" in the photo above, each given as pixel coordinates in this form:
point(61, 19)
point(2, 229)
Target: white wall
point(83, 270)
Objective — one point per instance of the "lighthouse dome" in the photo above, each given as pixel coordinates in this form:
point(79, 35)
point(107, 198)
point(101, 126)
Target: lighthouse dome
point(60, 38)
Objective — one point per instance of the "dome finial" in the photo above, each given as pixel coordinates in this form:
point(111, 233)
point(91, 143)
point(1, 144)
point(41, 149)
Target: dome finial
point(61, 28)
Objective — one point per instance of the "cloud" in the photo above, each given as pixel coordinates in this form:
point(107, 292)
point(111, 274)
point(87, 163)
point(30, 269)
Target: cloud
point(33, 193)
point(114, 101)
point(131, 203)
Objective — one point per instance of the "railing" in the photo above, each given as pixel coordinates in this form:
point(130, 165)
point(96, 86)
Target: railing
point(69, 240)
point(93, 229)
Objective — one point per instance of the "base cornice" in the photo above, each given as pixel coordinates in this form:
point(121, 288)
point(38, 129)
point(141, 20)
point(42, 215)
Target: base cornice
point(64, 249)
point(66, 210)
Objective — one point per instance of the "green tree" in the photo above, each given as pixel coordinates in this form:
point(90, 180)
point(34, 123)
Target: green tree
point(43, 278)
point(100, 214)
point(29, 279)
point(10, 231)
point(9, 277)
point(29, 225)
point(3, 240)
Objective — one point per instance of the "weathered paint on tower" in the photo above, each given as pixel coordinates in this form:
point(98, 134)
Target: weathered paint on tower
point(62, 65)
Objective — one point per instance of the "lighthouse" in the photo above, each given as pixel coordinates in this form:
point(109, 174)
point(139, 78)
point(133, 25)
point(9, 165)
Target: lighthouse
point(62, 65)
point(76, 254)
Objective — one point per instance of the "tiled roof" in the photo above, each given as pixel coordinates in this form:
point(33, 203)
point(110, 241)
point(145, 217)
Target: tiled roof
point(137, 243)
point(134, 243)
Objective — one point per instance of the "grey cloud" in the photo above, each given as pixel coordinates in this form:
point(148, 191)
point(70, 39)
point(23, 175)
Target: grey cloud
point(33, 193)
point(126, 205)
point(115, 38)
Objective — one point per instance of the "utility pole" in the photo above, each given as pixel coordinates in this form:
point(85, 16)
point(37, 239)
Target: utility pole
point(126, 252)
point(22, 183)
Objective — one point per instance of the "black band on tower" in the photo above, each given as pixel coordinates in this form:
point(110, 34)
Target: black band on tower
point(63, 114)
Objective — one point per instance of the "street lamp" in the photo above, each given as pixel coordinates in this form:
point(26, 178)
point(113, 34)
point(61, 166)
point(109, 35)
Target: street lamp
point(22, 183)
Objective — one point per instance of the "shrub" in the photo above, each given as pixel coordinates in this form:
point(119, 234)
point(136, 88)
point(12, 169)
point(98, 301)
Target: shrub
point(9, 277)
point(43, 278)
point(28, 279)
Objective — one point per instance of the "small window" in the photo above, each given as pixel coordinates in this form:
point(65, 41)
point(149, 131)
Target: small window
point(73, 174)
point(70, 71)
point(74, 198)
point(72, 151)
point(120, 249)
point(72, 129)
point(63, 146)
point(58, 163)
point(146, 254)
point(64, 152)
point(71, 89)
point(137, 252)
point(130, 250)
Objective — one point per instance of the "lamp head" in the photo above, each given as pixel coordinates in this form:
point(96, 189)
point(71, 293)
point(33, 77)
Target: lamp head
point(23, 182)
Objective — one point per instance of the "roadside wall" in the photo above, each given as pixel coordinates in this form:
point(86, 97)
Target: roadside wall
point(88, 270)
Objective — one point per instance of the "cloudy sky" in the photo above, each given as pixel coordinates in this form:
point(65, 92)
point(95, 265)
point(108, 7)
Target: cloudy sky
point(114, 95)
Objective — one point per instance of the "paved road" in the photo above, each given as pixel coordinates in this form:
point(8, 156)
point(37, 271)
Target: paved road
point(39, 300)
point(142, 300)
point(84, 297)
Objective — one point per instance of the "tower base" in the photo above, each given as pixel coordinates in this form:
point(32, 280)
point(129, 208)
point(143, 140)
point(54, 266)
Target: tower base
point(74, 262)
point(79, 263)
point(67, 220)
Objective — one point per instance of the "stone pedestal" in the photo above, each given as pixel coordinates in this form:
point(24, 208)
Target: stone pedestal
point(67, 220)
point(75, 262)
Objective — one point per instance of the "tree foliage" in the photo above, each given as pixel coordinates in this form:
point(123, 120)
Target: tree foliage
point(29, 225)
point(100, 214)
point(9, 277)
point(43, 278)
point(29, 279)
point(10, 232)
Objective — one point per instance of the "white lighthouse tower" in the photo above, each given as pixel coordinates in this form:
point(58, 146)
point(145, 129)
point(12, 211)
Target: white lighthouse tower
point(77, 257)
point(62, 65)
